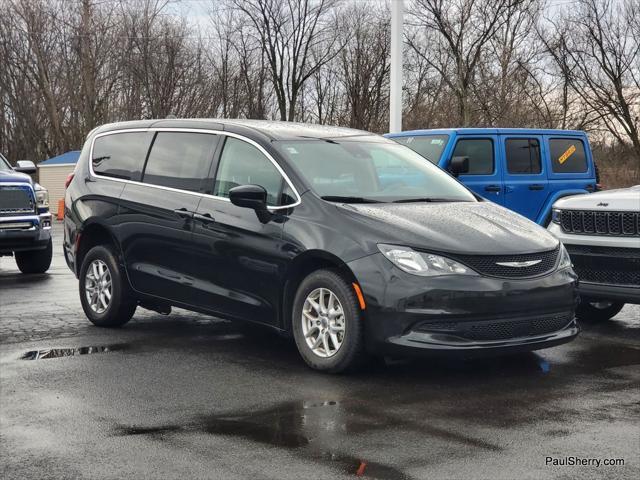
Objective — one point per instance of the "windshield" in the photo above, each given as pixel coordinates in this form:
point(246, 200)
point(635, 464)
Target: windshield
point(368, 171)
point(429, 146)
point(4, 165)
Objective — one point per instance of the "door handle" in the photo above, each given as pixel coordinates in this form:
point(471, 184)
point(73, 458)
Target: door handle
point(183, 213)
point(492, 188)
point(536, 186)
point(204, 218)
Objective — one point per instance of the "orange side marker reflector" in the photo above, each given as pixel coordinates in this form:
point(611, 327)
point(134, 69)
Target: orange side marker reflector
point(363, 465)
point(356, 287)
point(60, 214)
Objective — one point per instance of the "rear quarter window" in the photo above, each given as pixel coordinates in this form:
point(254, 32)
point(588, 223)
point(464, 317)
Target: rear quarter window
point(120, 155)
point(568, 155)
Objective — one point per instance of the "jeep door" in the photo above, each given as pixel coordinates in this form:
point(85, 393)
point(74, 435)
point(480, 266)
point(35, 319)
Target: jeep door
point(156, 215)
point(241, 258)
point(524, 174)
point(484, 176)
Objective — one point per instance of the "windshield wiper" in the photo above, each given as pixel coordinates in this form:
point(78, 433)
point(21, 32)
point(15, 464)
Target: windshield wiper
point(338, 198)
point(427, 199)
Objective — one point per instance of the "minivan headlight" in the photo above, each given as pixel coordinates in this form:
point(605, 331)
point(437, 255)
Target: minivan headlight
point(42, 196)
point(565, 259)
point(421, 263)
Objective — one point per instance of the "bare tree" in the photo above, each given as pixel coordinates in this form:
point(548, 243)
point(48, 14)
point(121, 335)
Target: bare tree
point(458, 32)
point(600, 59)
point(289, 31)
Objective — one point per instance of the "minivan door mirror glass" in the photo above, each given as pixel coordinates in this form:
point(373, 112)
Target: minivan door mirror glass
point(459, 165)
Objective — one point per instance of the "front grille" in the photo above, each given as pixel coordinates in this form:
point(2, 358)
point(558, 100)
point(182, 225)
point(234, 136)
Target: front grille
point(606, 265)
point(489, 264)
point(586, 222)
point(501, 329)
point(16, 200)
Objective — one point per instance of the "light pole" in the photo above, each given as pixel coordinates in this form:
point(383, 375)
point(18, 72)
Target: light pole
point(395, 94)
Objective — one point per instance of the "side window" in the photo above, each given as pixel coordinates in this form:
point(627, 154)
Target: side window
point(523, 156)
point(121, 155)
point(480, 153)
point(567, 155)
point(243, 164)
point(180, 160)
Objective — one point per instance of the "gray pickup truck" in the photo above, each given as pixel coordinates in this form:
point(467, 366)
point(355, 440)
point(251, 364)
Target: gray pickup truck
point(25, 220)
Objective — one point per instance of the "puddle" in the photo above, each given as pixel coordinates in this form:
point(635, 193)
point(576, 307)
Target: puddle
point(71, 352)
point(317, 431)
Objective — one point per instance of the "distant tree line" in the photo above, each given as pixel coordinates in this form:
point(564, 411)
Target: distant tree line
point(67, 66)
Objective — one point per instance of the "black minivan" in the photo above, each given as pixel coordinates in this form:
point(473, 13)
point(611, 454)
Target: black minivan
point(349, 242)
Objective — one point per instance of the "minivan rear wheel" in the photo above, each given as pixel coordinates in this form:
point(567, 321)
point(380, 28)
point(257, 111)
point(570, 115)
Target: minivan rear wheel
point(105, 295)
point(327, 323)
point(598, 311)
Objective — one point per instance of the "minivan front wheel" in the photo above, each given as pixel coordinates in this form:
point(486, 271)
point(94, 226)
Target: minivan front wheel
point(327, 323)
point(105, 295)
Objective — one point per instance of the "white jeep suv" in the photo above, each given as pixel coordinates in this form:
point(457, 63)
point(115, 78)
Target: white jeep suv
point(601, 231)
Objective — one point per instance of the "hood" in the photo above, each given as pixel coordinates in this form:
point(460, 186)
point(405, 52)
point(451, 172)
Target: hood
point(621, 199)
point(13, 176)
point(482, 228)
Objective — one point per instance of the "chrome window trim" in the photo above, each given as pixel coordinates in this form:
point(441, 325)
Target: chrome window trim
point(94, 175)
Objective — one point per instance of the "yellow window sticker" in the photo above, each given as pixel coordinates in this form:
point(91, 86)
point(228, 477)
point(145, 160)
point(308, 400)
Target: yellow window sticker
point(565, 156)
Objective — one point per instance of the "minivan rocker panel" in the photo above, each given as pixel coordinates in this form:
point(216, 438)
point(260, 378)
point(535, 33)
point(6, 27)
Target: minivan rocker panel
point(308, 230)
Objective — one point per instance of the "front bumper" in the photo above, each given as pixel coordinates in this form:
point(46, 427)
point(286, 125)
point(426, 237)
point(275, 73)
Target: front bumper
point(467, 315)
point(618, 293)
point(26, 232)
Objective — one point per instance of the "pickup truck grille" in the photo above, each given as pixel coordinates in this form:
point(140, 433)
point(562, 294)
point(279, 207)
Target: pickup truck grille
point(489, 265)
point(586, 222)
point(16, 200)
point(606, 265)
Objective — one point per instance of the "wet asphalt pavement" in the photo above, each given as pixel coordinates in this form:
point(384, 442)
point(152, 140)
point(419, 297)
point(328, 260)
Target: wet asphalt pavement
point(189, 396)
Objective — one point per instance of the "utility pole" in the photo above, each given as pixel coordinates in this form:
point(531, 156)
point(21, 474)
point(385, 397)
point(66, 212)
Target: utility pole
point(395, 95)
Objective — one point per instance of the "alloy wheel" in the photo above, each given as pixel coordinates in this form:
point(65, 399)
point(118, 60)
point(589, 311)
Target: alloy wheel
point(323, 322)
point(97, 286)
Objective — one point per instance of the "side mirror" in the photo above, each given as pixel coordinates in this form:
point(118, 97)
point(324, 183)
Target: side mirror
point(251, 196)
point(459, 165)
point(25, 166)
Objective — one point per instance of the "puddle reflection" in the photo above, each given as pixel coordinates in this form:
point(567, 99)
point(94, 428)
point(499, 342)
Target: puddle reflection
point(71, 352)
point(314, 429)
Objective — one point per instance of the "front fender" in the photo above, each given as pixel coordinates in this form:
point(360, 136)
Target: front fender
point(546, 209)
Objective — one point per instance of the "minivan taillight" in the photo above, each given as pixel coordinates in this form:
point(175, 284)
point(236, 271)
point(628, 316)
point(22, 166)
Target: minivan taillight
point(68, 180)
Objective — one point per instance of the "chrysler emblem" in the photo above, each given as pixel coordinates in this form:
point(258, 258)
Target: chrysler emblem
point(528, 263)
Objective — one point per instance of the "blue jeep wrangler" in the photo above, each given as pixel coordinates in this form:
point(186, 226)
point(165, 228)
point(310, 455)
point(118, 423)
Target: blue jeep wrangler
point(522, 169)
point(25, 221)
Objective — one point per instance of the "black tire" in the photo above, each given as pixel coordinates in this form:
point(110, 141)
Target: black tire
point(351, 354)
point(35, 261)
point(597, 311)
point(122, 304)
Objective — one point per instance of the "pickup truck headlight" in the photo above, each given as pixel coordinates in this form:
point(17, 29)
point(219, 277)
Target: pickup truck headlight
point(42, 196)
point(422, 264)
point(565, 260)
point(555, 215)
